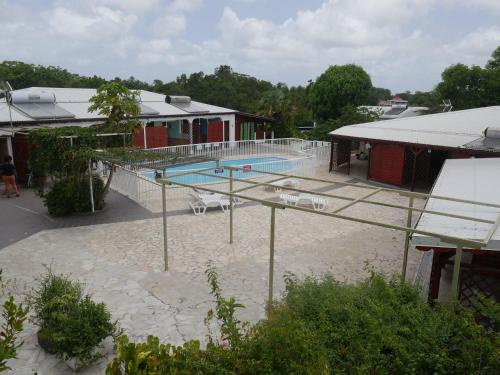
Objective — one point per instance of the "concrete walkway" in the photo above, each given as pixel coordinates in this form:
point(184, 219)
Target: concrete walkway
point(24, 216)
point(118, 254)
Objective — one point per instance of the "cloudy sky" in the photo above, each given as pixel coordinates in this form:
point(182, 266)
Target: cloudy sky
point(403, 44)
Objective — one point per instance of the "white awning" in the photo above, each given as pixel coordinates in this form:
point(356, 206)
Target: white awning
point(468, 179)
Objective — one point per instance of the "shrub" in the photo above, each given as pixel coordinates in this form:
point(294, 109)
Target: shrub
point(72, 325)
point(384, 326)
point(322, 326)
point(13, 317)
point(72, 195)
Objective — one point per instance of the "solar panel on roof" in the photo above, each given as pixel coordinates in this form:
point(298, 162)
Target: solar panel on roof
point(190, 107)
point(145, 110)
point(39, 111)
point(395, 111)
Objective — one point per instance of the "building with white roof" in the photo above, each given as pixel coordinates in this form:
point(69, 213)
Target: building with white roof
point(410, 151)
point(396, 108)
point(477, 270)
point(167, 120)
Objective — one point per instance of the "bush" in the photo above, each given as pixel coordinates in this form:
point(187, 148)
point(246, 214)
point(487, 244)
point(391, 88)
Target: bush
point(72, 195)
point(322, 326)
point(384, 326)
point(71, 324)
point(13, 317)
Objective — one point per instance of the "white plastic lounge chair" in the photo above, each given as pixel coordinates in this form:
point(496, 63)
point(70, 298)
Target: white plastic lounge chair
point(198, 207)
point(318, 203)
point(289, 182)
point(203, 201)
point(289, 199)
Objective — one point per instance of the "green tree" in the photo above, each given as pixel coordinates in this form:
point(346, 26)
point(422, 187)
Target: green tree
point(494, 62)
point(116, 102)
point(278, 104)
point(337, 87)
point(464, 86)
point(377, 94)
point(349, 115)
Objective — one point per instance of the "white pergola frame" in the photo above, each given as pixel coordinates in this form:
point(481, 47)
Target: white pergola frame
point(409, 229)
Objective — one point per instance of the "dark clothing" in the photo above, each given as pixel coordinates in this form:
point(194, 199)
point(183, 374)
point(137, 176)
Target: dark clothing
point(8, 169)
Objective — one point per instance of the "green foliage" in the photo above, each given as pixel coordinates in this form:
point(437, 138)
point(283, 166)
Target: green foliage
point(488, 310)
point(230, 327)
point(279, 345)
point(337, 87)
point(494, 62)
point(22, 75)
point(323, 326)
point(471, 87)
point(349, 115)
point(384, 326)
point(463, 85)
point(377, 94)
point(116, 102)
point(72, 195)
point(69, 320)
point(53, 155)
point(13, 318)
point(64, 153)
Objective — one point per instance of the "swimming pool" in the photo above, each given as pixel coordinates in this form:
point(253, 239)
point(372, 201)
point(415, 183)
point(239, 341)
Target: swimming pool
point(265, 164)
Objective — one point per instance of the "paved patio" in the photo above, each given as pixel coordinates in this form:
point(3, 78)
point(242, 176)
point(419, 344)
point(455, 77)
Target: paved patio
point(121, 262)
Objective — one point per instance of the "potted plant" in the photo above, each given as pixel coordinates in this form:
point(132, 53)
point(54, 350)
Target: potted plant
point(72, 325)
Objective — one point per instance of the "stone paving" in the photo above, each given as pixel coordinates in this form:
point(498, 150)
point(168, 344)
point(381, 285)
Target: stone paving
point(121, 264)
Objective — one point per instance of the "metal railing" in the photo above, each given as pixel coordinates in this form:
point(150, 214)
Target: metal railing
point(224, 150)
point(141, 187)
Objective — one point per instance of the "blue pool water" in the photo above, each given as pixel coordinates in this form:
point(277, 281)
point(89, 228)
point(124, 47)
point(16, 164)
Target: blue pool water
point(267, 164)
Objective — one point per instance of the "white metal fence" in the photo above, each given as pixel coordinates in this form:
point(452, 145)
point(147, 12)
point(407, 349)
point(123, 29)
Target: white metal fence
point(303, 160)
point(224, 150)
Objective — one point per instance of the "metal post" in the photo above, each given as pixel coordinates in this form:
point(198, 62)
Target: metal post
point(91, 188)
point(164, 205)
point(231, 206)
point(407, 238)
point(271, 259)
point(456, 273)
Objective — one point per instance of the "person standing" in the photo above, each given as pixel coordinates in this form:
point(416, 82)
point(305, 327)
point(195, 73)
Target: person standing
point(9, 176)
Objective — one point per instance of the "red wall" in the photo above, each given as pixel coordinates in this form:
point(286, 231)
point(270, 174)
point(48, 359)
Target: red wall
point(21, 152)
point(215, 131)
point(155, 136)
point(259, 132)
point(387, 163)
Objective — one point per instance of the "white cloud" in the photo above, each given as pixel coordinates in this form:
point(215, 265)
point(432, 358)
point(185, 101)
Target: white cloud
point(100, 23)
point(130, 5)
point(492, 5)
point(186, 5)
point(479, 43)
point(398, 42)
point(170, 24)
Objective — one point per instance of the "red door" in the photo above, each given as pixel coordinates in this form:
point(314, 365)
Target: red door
point(387, 163)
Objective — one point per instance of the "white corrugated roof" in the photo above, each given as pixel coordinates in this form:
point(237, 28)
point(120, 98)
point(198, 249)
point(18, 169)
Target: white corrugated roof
point(450, 129)
point(76, 101)
point(470, 179)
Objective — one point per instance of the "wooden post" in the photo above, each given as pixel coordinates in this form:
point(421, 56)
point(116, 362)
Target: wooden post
point(164, 206)
point(456, 273)
point(331, 154)
point(407, 238)
point(91, 187)
point(271, 259)
point(231, 207)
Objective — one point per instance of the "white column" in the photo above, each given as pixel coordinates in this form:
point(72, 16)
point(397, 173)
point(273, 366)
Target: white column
point(190, 131)
point(144, 132)
point(9, 148)
point(232, 128)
